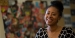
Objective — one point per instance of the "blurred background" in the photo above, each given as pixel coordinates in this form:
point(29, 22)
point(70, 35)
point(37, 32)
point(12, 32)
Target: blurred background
point(23, 18)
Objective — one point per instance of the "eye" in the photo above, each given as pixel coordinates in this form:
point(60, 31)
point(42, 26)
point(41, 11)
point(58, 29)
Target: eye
point(53, 14)
point(48, 13)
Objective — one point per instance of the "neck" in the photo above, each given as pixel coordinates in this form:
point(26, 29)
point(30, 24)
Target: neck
point(52, 28)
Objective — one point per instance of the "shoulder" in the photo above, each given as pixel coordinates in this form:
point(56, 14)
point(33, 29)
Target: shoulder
point(67, 29)
point(41, 32)
point(68, 32)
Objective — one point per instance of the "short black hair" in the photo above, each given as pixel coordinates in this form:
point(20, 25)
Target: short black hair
point(58, 5)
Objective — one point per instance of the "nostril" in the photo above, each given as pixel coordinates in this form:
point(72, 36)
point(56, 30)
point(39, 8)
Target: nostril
point(50, 16)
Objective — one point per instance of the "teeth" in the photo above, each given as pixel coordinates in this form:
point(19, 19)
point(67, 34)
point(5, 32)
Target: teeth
point(49, 20)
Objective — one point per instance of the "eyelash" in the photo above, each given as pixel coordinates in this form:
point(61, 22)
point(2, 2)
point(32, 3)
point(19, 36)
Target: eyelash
point(48, 13)
point(54, 14)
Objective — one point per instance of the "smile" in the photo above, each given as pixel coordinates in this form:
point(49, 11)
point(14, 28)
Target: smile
point(49, 20)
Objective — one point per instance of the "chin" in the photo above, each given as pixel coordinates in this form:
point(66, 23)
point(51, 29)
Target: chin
point(49, 24)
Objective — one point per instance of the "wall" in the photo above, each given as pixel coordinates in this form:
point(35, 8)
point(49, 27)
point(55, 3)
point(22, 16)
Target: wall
point(2, 33)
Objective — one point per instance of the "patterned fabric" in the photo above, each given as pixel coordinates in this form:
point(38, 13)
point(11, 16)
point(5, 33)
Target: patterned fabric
point(66, 32)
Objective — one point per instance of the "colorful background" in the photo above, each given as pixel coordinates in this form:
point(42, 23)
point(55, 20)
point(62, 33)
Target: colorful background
point(23, 21)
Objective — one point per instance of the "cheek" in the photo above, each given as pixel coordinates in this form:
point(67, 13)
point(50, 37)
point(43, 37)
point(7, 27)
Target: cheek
point(45, 17)
point(56, 18)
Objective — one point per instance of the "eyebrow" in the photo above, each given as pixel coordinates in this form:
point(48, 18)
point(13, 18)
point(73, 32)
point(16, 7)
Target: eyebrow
point(52, 12)
point(48, 11)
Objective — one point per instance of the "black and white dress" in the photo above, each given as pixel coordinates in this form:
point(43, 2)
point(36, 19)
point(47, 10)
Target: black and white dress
point(66, 32)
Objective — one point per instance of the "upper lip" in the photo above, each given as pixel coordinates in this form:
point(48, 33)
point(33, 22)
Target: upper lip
point(49, 19)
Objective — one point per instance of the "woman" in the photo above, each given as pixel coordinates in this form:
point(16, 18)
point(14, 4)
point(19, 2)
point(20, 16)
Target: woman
point(52, 16)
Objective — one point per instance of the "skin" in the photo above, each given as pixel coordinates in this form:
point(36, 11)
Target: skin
point(51, 18)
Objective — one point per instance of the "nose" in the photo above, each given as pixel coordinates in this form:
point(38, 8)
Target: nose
point(50, 15)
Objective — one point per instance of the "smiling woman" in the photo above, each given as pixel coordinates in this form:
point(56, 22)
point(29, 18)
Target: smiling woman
point(52, 16)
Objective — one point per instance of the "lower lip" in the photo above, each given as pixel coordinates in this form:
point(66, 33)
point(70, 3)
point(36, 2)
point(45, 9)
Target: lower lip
point(49, 21)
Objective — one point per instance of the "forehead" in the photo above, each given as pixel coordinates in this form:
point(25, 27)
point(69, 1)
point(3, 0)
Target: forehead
point(52, 9)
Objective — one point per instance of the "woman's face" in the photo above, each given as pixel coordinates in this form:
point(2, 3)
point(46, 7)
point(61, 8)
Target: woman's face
point(52, 16)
